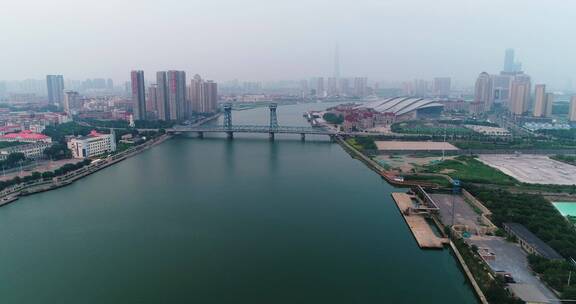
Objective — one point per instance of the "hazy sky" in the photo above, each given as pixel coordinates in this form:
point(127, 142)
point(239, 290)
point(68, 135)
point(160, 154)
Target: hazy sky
point(292, 39)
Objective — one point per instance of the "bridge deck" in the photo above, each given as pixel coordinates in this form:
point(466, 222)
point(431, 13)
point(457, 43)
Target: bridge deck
point(253, 129)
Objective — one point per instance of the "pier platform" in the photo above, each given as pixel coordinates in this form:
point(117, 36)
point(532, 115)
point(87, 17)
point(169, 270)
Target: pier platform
point(421, 230)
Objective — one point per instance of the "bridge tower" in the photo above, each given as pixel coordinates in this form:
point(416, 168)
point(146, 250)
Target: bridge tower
point(273, 119)
point(228, 120)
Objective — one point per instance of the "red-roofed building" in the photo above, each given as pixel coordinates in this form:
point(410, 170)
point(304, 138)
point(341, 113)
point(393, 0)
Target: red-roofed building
point(26, 136)
point(10, 129)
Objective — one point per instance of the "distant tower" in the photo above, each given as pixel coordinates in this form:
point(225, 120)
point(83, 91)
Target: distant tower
point(55, 86)
point(337, 62)
point(510, 65)
point(509, 60)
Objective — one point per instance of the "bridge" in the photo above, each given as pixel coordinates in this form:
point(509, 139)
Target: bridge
point(271, 129)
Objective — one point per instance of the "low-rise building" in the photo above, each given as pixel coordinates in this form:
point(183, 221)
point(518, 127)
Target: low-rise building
point(93, 144)
point(26, 136)
point(30, 151)
point(531, 243)
point(489, 131)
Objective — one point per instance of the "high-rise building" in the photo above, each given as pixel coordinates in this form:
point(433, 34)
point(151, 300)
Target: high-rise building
point(332, 86)
point(109, 84)
point(549, 104)
point(2, 89)
point(508, 60)
point(519, 94)
point(211, 96)
point(540, 100)
point(360, 87)
point(442, 86)
point(195, 94)
point(176, 95)
point(304, 89)
point(344, 86)
point(501, 88)
point(151, 102)
point(138, 95)
point(483, 91)
point(320, 90)
point(510, 65)
point(572, 112)
point(162, 105)
point(71, 101)
point(55, 86)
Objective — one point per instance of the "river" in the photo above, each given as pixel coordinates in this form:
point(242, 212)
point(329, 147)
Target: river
point(217, 221)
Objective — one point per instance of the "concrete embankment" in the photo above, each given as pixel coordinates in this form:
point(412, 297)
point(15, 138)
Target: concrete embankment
point(11, 194)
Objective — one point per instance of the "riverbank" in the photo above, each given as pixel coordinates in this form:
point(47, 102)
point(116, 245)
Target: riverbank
point(423, 238)
point(12, 194)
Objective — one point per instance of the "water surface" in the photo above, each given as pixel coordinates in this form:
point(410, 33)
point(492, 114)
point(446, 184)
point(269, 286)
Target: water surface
point(217, 221)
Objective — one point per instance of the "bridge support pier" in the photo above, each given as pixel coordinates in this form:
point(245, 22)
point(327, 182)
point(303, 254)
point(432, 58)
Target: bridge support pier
point(303, 136)
point(229, 134)
point(200, 134)
point(271, 136)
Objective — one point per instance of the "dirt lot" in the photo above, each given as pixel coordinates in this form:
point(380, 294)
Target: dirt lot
point(405, 163)
point(415, 146)
point(533, 169)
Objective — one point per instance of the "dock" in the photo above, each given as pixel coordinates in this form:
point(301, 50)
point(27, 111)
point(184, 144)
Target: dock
point(417, 223)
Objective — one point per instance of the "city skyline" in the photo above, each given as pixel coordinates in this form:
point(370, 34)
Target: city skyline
point(246, 52)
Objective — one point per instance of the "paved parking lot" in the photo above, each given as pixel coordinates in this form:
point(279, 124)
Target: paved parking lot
point(509, 257)
point(533, 169)
point(463, 213)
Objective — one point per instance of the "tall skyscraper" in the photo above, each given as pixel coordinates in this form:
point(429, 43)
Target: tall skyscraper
point(55, 86)
point(442, 86)
point(519, 94)
point(572, 112)
point(509, 60)
point(501, 88)
point(540, 101)
point(109, 84)
point(162, 105)
point(320, 90)
point(332, 86)
point(151, 102)
point(177, 95)
point(344, 86)
point(211, 96)
point(337, 63)
point(510, 65)
point(196, 94)
point(483, 93)
point(71, 101)
point(360, 87)
point(549, 104)
point(138, 95)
